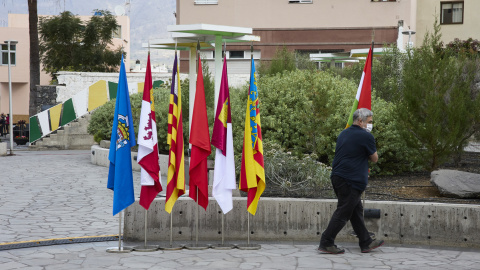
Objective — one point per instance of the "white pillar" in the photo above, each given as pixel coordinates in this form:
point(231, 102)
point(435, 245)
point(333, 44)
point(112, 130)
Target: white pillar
point(218, 68)
point(192, 77)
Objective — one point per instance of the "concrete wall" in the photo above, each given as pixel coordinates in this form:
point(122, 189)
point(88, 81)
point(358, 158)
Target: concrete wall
point(428, 10)
point(289, 219)
point(282, 14)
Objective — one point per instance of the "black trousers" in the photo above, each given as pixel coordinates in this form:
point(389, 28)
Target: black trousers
point(349, 208)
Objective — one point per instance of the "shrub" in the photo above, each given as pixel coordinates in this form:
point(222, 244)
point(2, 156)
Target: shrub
point(304, 111)
point(290, 176)
point(102, 118)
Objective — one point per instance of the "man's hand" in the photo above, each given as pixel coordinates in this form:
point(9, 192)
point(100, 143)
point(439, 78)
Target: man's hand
point(373, 157)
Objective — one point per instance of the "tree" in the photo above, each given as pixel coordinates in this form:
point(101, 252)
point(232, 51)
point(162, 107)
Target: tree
point(67, 43)
point(34, 56)
point(439, 104)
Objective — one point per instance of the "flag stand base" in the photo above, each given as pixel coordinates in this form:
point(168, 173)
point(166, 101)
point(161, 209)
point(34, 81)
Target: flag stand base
point(121, 250)
point(145, 248)
point(249, 246)
point(197, 247)
point(224, 246)
point(180, 247)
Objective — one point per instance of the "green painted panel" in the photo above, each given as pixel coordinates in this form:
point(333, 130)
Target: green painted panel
point(35, 132)
point(68, 113)
point(157, 84)
point(112, 90)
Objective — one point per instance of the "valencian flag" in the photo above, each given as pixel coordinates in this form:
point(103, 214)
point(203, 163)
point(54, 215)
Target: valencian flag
point(148, 145)
point(120, 177)
point(200, 140)
point(222, 139)
point(176, 162)
point(252, 175)
point(363, 99)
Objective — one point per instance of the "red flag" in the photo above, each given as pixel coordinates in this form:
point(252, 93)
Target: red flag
point(148, 145)
point(363, 99)
point(200, 140)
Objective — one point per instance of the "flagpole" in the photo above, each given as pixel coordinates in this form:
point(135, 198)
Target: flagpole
point(223, 237)
point(119, 249)
point(120, 231)
point(248, 246)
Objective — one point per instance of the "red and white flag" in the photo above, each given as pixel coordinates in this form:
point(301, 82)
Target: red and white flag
point(222, 139)
point(148, 145)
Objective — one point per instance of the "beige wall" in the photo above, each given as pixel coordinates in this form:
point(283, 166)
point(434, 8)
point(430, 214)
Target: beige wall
point(19, 73)
point(18, 30)
point(280, 14)
point(429, 9)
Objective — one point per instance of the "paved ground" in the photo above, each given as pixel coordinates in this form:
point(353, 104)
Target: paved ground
point(59, 194)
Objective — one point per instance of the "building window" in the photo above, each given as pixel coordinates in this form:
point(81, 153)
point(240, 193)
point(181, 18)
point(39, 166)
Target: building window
point(206, 2)
point(236, 54)
point(117, 33)
point(4, 54)
point(300, 1)
point(452, 13)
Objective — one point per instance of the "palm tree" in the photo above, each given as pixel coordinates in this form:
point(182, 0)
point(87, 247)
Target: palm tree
point(34, 56)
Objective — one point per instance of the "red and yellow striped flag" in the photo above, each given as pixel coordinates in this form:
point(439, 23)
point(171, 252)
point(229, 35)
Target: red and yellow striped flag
point(252, 176)
point(176, 165)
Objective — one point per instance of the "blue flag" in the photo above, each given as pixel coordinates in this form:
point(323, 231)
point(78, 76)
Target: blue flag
point(120, 176)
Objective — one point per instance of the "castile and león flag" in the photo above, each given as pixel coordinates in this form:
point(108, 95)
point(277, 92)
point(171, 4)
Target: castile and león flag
point(148, 145)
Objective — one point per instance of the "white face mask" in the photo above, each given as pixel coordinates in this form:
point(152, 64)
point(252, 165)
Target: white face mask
point(369, 127)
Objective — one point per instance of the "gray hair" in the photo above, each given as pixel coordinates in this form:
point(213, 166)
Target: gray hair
point(361, 114)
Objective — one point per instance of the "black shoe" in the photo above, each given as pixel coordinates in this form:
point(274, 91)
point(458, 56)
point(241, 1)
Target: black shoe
point(332, 250)
point(375, 244)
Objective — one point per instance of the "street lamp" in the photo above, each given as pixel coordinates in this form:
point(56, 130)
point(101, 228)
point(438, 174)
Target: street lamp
point(9, 43)
point(410, 33)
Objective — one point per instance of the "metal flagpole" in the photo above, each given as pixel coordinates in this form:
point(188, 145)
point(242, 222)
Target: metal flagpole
point(248, 246)
point(120, 231)
point(248, 228)
point(119, 249)
point(223, 237)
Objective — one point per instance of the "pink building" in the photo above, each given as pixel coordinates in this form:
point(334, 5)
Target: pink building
point(20, 69)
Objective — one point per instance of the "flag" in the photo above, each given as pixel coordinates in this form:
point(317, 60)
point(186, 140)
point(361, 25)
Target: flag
point(200, 140)
point(363, 99)
point(148, 145)
point(252, 174)
point(120, 176)
point(222, 139)
point(176, 165)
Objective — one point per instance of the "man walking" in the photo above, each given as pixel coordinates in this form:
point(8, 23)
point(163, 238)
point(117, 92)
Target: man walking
point(355, 147)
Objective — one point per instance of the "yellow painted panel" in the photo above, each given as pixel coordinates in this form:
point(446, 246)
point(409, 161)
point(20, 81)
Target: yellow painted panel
point(55, 113)
point(141, 85)
point(97, 95)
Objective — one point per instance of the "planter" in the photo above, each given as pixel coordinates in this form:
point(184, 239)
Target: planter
point(20, 141)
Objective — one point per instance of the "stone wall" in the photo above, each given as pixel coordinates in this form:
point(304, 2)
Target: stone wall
point(70, 83)
point(46, 97)
point(294, 219)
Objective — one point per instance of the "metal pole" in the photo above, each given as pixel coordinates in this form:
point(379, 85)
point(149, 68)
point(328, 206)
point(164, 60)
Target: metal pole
point(171, 229)
point(196, 222)
point(10, 98)
point(222, 227)
point(120, 231)
point(248, 229)
point(145, 228)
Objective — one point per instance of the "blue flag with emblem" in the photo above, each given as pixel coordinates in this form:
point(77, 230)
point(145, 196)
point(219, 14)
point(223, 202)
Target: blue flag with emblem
point(120, 176)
